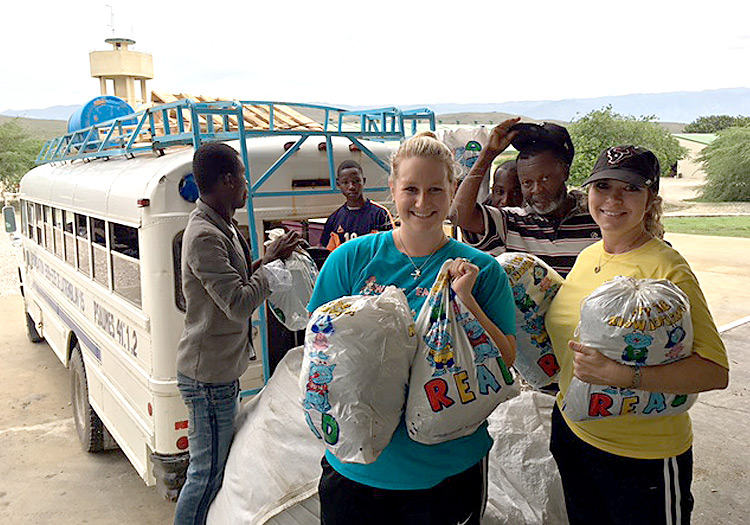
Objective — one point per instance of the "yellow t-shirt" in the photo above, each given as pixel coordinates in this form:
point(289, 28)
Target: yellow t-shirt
point(630, 435)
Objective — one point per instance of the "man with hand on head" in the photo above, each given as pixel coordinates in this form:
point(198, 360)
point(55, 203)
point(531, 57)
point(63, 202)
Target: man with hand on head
point(222, 288)
point(554, 224)
point(358, 215)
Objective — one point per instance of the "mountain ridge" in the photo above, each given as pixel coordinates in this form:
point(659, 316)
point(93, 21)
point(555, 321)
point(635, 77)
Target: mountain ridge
point(676, 106)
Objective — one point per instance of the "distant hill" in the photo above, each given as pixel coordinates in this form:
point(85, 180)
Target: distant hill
point(679, 106)
point(52, 113)
point(38, 128)
point(492, 119)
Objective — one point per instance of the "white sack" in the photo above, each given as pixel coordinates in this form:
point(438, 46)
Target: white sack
point(534, 285)
point(643, 322)
point(466, 144)
point(458, 376)
point(274, 461)
point(274, 464)
point(356, 370)
point(291, 282)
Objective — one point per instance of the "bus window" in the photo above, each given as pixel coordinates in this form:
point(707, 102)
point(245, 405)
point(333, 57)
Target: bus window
point(126, 268)
point(179, 297)
point(38, 224)
point(48, 239)
point(82, 235)
point(99, 245)
point(29, 220)
point(57, 229)
point(70, 250)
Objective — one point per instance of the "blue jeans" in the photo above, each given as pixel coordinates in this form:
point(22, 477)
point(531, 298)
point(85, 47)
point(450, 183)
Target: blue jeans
point(212, 408)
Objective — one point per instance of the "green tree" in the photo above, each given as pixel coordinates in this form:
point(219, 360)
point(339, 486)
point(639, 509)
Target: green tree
point(18, 150)
point(726, 162)
point(603, 128)
point(715, 123)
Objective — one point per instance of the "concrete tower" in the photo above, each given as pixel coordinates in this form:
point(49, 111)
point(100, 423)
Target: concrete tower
point(123, 67)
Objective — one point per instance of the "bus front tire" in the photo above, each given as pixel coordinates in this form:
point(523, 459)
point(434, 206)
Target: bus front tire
point(31, 330)
point(88, 425)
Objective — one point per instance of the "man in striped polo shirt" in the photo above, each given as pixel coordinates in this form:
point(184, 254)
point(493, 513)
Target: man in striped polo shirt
point(554, 224)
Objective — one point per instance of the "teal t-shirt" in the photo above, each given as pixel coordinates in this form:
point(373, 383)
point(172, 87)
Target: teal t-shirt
point(365, 266)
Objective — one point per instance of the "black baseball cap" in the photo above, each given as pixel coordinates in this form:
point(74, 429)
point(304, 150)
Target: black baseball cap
point(631, 164)
point(545, 136)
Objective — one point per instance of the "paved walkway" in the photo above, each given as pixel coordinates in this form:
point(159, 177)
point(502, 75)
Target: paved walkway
point(721, 265)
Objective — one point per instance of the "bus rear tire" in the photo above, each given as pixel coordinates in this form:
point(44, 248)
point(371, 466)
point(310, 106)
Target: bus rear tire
point(88, 425)
point(31, 330)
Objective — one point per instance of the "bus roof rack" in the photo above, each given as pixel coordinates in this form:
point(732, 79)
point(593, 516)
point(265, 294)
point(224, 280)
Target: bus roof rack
point(187, 122)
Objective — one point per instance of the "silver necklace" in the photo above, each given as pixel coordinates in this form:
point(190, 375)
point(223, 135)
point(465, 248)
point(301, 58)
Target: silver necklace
point(417, 273)
point(637, 243)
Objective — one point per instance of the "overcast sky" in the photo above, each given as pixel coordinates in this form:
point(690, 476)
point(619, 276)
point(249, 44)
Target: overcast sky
point(382, 52)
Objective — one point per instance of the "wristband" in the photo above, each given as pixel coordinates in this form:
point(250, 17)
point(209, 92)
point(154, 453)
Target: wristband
point(635, 383)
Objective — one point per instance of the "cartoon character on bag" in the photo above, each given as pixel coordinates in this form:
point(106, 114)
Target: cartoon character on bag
point(523, 302)
point(440, 344)
point(675, 335)
point(637, 349)
point(549, 287)
point(316, 395)
point(322, 325)
point(480, 343)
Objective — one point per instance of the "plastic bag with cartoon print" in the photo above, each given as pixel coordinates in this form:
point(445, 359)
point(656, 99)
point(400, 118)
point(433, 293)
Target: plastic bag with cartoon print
point(643, 322)
point(534, 285)
point(355, 372)
point(458, 376)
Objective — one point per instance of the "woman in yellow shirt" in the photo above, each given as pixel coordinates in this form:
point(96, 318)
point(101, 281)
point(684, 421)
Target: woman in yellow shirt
point(629, 469)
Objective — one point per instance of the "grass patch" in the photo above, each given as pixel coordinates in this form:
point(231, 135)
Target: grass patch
point(721, 226)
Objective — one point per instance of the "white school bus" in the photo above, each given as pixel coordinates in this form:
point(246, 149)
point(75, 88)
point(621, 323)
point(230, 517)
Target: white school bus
point(102, 219)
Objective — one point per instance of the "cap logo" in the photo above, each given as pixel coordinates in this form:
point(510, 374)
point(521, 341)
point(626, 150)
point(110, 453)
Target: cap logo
point(619, 153)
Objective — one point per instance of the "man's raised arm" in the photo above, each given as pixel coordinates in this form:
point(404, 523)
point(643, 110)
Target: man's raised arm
point(466, 213)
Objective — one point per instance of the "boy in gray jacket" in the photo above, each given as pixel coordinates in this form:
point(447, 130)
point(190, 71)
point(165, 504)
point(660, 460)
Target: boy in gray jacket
point(222, 289)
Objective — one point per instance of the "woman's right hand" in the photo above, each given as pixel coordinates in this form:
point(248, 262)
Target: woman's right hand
point(500, 137)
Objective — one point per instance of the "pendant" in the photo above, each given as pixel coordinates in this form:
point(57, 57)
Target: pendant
point(597, 269)
point(416, 273)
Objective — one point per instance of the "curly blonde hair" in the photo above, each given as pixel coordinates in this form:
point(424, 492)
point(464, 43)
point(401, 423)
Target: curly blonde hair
point(424, 145)
point(652, 218)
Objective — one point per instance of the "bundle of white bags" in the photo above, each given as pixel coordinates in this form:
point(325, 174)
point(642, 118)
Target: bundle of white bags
point(355, 372)
point(291, 282)
point(534, 285)
point(641, 322)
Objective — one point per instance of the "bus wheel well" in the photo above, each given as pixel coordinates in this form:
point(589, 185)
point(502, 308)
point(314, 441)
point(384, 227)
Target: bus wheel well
point(72, 344)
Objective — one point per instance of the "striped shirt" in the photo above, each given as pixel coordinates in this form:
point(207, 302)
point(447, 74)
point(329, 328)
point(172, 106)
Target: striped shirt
point(556, 242)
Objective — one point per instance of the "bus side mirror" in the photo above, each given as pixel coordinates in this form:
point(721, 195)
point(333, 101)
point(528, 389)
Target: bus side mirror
point(9, 215)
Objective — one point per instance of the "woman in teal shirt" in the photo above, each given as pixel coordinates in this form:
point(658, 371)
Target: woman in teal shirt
point(410, 482)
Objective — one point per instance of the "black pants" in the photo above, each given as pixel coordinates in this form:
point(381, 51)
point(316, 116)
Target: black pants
point(459, 499)
point(605, 488)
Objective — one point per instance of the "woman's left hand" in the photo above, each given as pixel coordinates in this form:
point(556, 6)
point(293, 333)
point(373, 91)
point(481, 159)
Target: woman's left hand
point(463, 275)
point(591, 366)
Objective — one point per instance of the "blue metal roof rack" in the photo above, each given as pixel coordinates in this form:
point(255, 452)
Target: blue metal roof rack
point(187, 122)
